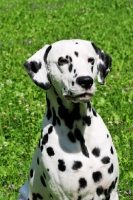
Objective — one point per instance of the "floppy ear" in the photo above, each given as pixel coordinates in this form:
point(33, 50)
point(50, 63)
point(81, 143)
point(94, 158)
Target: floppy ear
point(104, 64)
point(36, 67)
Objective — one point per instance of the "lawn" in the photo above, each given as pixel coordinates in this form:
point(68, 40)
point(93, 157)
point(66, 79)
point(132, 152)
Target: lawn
point(25, 26)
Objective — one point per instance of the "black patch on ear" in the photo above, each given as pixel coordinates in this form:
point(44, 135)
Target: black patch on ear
point(28, 68)
point(33, 66)
point(97, 50)
point(46, 53)
point(104, 57)
point(104, 67)
point(45, 86)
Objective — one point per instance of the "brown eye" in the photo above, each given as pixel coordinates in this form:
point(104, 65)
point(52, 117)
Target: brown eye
point(62, 61)
point(91, 60)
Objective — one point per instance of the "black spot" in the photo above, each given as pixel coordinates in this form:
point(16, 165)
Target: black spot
point(76, 43)
point(111, 169)
point(70, 67)
point(99, 190)
point(34, 197)
point(105, 160)
point(111, 150)
point(54, 117)
point(94, 112)
point(95, 48)
point(59, 101)
point(106, 192)
point(50, 151)
point(82, 183)
point(77, 165)
point(38, 161)
point(76, 53)
point(46, 53)
point(34, 66)
point(75, 75)
point(39, 196)
point(51, 196)
point(74, 71)
point(85, 150)
point(97, 176)
point(31, 173)
point(61, 165)
point(79, 135)
point(66, 115)
point(50, 129)
point(92, 69)
point(79, 198)
point(71, 137)
point(41, 148)
point(89, 105)
point(107, 136)
point(58, 121)
point(72, 83)
point(45, 139)
point(45, 86)
point(108, 198)
point(111, 187)
point(47, 169)
point(55, 92)
point(44, 175)
point(80, 138)
point(96, 152)
point(116, 180)
point(43, 181)
point(69, 58)
point(87, 120)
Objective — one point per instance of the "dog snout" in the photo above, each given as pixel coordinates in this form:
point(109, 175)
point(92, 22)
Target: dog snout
point(85, 82)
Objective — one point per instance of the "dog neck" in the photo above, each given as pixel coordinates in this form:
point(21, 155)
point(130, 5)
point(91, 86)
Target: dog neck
point(73, 115)
point(72, 119)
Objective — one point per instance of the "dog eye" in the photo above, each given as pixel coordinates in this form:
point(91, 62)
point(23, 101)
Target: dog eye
point(62, 61)
point(91, 60)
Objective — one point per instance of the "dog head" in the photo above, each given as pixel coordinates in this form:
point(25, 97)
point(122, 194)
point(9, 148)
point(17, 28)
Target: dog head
point(70, 66)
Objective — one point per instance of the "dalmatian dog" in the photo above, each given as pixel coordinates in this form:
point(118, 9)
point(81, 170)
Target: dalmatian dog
point(75, 158)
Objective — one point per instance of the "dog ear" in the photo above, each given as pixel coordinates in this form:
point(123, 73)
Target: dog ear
point(104, 64)
point(36, 67)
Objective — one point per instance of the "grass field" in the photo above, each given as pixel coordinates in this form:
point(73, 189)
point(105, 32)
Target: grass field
point(25, 26)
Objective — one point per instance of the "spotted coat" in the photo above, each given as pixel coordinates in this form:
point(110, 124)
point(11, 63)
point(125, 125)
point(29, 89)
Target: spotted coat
point(75, 158)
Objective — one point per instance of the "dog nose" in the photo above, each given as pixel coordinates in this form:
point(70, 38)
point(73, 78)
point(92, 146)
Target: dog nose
point(84, 81)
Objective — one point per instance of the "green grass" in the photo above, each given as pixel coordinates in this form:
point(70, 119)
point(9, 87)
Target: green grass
point(25, 26)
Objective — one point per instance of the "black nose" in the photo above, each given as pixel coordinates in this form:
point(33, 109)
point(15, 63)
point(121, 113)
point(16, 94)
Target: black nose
point(84, 81)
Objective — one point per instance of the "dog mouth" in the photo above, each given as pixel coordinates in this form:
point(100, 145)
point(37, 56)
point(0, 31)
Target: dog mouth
point(81, 97)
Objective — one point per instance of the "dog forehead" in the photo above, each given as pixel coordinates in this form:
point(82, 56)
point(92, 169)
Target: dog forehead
point(72, 48)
